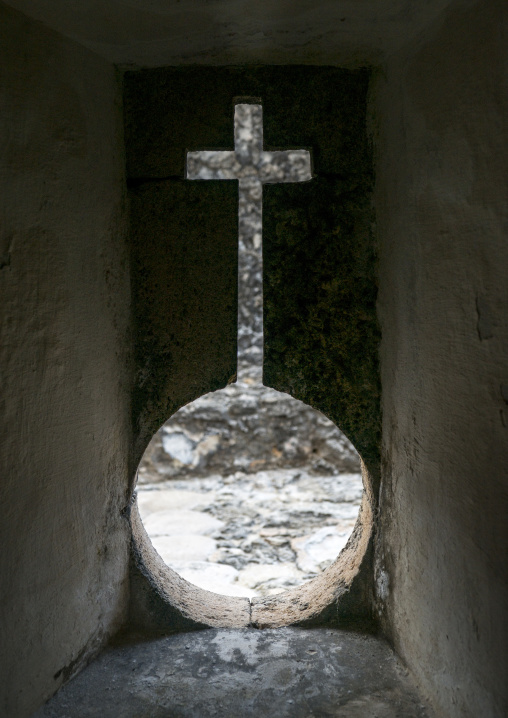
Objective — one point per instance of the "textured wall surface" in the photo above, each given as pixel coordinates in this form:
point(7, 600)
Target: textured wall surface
point(320, 284)
point(184, 289)
point(64, 311)
point(442, 212)
point(224, 32)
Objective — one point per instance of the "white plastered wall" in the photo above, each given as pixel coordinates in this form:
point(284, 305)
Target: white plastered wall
point(64, 313)
point(442, 206)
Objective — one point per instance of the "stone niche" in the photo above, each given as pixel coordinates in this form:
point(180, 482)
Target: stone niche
point(321, 331)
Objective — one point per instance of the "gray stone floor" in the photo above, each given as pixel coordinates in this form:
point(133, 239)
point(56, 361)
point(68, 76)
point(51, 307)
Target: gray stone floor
point(287, 672)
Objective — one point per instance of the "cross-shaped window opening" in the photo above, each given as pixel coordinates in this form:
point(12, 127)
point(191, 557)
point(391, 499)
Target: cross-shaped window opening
point(252, 166)
point(267, 455)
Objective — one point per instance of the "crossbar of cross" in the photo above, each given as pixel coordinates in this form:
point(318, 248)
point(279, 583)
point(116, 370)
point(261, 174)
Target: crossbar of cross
point(252, 166)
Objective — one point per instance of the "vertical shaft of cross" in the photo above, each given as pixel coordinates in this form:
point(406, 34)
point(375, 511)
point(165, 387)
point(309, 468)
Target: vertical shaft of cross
point(251, 166)
point(248, 150)
point(250, 283)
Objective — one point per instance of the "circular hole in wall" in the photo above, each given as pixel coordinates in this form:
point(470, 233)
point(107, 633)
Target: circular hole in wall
point(249, 492)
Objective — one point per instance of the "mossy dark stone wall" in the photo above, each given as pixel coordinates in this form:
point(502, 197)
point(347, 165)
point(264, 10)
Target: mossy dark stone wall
point(184, 292)
point(321, 333)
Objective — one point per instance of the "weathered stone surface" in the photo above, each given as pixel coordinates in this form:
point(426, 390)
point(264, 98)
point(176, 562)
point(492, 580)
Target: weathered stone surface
point(65, 360)
point(291, 673)
point(321, 332)
point(131, 33)
point(442, 184)
point(322, 108)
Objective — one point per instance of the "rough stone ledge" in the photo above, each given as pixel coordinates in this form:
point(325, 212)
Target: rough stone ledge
point(283, 672)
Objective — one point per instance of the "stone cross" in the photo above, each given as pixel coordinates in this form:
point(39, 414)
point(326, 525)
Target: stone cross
point(252, 166)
